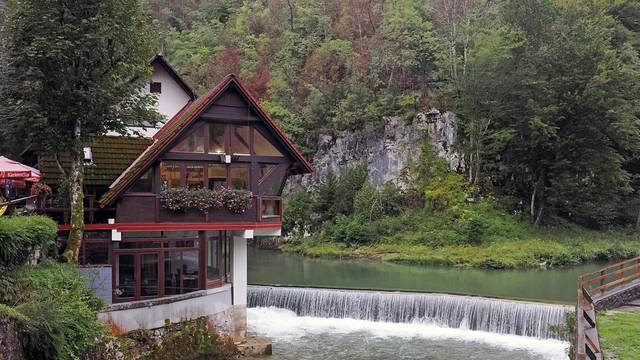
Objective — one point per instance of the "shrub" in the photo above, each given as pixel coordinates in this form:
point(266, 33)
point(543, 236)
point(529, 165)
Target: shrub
point(350, 231)
point(61, 310)
point(349, 183)
point(21, 235)
point(298, 213)
point(474, 231)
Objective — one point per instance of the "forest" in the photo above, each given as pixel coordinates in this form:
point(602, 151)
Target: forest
point(546, 91)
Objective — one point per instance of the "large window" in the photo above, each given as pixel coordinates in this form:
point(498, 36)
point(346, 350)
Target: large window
point(192, 143)
point(240, 176)
point(195, 176)
point(240, 140)
point(181, 272)
point(216, 139)
point(262, 146)
point(272, 179)
point(217, 175)
point(143, 184)
point(170, 175)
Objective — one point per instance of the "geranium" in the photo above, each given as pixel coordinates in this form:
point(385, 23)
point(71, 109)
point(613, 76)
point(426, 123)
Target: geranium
point(236, 201)
point(176, 199)
point(179, 199)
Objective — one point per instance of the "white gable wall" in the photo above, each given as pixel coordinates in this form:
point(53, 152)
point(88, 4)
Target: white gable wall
point(172, 98)
point(170, 101)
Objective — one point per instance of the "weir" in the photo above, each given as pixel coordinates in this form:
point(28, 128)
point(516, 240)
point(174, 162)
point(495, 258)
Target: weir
point(454, 311)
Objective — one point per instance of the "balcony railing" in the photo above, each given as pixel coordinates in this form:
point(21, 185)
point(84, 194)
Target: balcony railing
point(60, 210)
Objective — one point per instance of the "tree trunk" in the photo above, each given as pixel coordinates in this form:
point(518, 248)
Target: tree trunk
point(76, 195)
point(532, 210)
point(290, 5)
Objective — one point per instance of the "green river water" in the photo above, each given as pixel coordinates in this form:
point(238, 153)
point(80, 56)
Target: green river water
point(548, 285)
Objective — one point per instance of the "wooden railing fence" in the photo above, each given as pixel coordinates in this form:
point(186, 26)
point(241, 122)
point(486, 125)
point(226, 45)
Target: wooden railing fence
point(587, 342)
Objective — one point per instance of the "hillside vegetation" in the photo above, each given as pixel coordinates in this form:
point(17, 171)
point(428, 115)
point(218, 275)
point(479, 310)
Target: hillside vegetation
point(438, 220)
point(547, 91)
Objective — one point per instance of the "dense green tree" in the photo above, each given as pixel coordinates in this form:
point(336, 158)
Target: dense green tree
point(74, 70)
point(549, 105)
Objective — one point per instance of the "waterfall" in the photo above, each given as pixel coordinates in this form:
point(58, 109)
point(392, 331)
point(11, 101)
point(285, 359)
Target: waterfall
point(454, 311)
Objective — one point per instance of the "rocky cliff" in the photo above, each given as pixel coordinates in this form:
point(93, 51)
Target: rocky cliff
point(386, 148)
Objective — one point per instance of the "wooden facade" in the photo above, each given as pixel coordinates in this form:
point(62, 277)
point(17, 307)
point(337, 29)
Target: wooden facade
point(224, 139)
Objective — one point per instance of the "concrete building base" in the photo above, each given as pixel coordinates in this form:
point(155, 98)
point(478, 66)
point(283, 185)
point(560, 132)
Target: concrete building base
point(153, 314)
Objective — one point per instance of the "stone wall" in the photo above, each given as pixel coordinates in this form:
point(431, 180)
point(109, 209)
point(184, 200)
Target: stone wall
point(386, 148)
point(618, 298)
point(192, 339)
point(10, 339)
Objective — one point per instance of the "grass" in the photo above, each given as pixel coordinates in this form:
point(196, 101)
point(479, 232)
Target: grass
point(474, 236)
point(620, 334)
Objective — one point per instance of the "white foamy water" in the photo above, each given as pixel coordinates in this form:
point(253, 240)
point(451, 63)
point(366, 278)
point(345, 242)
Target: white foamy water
point(305, 337)
point(452, 311)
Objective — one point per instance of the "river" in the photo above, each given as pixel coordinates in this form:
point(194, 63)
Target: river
point(268, 267)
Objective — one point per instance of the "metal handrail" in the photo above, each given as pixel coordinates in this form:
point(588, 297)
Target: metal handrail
point(15, 201)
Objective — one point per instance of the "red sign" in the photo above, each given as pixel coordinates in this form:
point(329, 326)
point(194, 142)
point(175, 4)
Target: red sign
point(17, 175)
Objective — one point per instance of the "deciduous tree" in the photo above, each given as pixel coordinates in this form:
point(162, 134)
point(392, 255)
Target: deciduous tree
point(75, 70)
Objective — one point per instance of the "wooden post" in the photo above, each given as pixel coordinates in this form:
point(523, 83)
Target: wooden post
point(601, 280)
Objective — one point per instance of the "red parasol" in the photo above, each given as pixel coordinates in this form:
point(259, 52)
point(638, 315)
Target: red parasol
point(14, 170)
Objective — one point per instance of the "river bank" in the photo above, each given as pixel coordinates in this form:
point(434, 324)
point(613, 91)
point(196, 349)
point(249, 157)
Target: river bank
point(545, 250)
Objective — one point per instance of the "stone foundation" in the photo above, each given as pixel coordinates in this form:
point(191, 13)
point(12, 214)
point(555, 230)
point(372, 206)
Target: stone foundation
point(157, 313)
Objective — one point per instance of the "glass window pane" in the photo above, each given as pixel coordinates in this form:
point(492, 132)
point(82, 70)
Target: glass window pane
point(180, 234)
point(192, 143)
point(195, 176)
point(264, 169)
point(217, 175)
point(262, 146)
point(240, 140)
point(99, 234)
point(226, 253)
point(136, 244)
point(270, 208)
point(216, 139)
point(125, 276)
point(273, 182)
point(169, 175)
point(181, 244)
point(180, 272)
point(143, 184)
point(213, 257)
point(149, 275)
point(240, 176)
point(95, 253)
point(142, 235)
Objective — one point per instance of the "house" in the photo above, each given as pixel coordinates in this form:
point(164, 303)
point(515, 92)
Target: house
point(154, 263)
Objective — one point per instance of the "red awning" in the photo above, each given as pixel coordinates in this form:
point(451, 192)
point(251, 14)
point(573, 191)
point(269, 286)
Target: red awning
point(14, 170)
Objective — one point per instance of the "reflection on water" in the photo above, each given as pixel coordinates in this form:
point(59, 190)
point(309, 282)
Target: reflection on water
point(554, 285)
point(301, 338)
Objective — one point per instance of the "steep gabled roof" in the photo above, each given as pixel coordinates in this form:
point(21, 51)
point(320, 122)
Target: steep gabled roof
point(176, 126)
point(160, 60)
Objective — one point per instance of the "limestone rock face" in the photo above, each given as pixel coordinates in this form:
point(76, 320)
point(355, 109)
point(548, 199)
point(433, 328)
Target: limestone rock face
point(386, 148)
